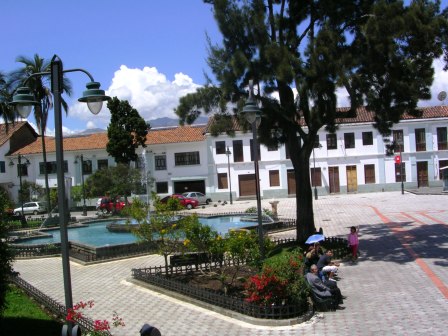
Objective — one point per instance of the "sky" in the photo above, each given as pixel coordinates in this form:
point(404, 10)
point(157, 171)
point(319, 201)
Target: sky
point(149, 52)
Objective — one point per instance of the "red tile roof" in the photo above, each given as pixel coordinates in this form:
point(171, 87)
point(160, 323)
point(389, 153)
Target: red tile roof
point(363, 116)
point(7, 131)
point(70, 143)
point(100, 140)
point(175, 135)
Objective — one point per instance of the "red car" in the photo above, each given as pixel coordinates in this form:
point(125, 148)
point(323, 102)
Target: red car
point(189, 203)
point(107, 205)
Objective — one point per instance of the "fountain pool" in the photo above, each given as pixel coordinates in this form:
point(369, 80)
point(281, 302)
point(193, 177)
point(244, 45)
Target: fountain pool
point(96, 233)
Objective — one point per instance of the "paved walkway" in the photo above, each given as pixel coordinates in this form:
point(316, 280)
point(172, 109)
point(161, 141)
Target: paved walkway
point(399, 286)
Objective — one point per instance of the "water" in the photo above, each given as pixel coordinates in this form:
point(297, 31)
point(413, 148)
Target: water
point(96, 233)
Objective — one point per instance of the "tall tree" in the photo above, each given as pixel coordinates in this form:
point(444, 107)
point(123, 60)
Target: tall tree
point(126, 132)
point(303, 51)
point(6, 110)
point(42, 92)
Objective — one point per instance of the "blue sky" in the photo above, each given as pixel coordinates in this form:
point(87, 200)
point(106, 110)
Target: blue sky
point(150, 52)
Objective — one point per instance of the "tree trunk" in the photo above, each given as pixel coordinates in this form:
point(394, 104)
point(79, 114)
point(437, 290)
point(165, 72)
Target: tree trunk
point(304, 197)
point(300, 158)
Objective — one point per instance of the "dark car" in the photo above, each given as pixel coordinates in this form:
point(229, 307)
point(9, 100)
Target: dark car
point(187, 202)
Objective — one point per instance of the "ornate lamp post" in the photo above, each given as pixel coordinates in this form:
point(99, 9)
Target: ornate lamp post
point(400, 145)
point(228, 153)
point(24, 100)
point(252, 114)
point(84, 207)
point(20, 166)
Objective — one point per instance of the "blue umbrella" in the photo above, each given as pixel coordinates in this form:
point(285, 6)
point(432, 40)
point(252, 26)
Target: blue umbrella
point(315, 238)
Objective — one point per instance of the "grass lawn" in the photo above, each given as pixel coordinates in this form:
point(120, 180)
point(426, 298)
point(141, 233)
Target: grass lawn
point(23, 317)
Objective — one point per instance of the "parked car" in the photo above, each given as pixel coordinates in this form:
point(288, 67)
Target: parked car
point(189, 203)
point(31, 208)
point(200, 197)
point(107, 204)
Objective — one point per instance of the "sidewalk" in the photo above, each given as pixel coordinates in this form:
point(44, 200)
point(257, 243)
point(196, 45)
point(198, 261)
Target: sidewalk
point(398, 287)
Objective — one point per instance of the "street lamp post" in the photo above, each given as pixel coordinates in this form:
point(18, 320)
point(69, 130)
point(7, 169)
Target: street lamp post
point(228, 153)
point(252, 114)
point(84, 207)
point(19, 170)
point(24, 100)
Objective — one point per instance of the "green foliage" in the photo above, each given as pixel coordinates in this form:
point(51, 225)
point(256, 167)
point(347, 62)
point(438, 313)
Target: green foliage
point(126, 132)
point(280, 281)
point(163, 225)
point(76, 193)
point(6, 256)
point(23, 316)
point(119, 180)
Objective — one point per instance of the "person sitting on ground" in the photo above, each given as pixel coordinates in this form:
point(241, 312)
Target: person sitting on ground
point(325, 264)
point(321, 290)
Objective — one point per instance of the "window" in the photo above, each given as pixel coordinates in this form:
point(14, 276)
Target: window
point(442, 164)
point(398, 172)
point(252, 151)
point(272, 148)
point(316, 141)
point(222, 181)
point(87, 167)
point(367, 138)
point(139, 163)
point(220, 147)
point(369, 173)
point(2, 167)
point(316, 177)
point(186, 159)
point(51, 167)
point(420, 140)
point(442, 138)
point(238, 155)
point(160, 162)
point(22, 169)
point(349, 140)
point(397, 137)
point(274, 178)
point(332, 141)
point(103, 164)
point(161, 187)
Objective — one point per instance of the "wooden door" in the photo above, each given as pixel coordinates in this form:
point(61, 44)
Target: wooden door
point(352, 179)
point(291, 182)
point(422, 174)
point(247, 185)
point(333, 176)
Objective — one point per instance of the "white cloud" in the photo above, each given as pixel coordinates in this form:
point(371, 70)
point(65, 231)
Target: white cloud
point(91, 125)
point(147, 90)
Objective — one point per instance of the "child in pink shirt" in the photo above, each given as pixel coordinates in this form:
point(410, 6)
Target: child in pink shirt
point(353, 242)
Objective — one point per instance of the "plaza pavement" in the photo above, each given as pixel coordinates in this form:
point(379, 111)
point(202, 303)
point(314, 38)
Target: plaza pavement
point(398, 287)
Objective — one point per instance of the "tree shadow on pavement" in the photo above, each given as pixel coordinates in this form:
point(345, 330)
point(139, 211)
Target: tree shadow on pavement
point(429, 241)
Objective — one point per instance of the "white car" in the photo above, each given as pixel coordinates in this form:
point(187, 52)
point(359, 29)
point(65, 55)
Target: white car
point(31, 208)
point(200, 197)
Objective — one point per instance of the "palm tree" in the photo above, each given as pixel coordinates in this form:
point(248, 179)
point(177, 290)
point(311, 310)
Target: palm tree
point(42, 92)
point(6, 111)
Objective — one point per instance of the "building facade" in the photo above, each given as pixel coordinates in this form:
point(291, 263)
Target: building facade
point(189, 158)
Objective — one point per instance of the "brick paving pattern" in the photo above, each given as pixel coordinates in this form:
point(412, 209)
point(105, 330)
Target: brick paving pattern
point(398, 287)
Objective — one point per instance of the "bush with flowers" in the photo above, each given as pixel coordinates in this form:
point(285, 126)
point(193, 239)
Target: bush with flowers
point(281, 281)
point(100, 327)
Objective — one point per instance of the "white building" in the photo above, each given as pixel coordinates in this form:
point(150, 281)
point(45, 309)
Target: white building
point(189, 159)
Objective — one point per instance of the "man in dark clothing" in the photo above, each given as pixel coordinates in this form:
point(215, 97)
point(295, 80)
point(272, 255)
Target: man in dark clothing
point(325, 264)
point(320, 289)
